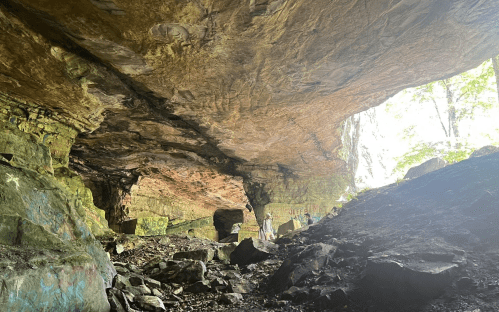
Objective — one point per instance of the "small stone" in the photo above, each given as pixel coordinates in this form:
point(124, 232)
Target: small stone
point(162, 265)
point(132, 268)
point(171, 304)
point(119, 248)
point(240, 286)
point(136, 280)
point(213, 304)
point(218, 282)
point(178, 291)
point(164, 241)
point(231, 298)
point(177, 298)
point(138, 290)
point(157, 293)
point(115, 303)
point(121, 282)
point(199, 287)
point(152, 283)
point(122, 270)
point(150, 303)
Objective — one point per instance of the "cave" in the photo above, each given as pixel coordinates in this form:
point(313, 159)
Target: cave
point(179, 115)
point(224, 219)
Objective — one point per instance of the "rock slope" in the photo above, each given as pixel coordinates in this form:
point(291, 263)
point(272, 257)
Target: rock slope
point(427, 244)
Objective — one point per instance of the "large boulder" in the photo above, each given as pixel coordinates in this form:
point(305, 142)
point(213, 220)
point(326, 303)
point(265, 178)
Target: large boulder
point(179, 271)
point(50, 259)
point(287, 227)
point(37, 216)
point(312, 258)
point(486, 150)
point(426, 167)
point(252, 250)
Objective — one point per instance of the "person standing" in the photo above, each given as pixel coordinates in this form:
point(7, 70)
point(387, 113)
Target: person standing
point(266, 231)
point(309, 219)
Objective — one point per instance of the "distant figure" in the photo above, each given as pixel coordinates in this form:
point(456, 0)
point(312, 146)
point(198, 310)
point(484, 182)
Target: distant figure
point(309, 219)
point(266, 231)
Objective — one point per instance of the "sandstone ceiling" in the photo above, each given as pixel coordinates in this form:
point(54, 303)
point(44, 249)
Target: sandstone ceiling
point(238, 86)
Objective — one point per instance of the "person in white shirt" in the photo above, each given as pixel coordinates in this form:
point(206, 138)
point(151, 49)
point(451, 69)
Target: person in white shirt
point(266, 231)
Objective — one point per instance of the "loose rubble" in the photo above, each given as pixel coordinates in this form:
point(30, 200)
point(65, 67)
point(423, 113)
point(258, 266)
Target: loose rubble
point(429, 244)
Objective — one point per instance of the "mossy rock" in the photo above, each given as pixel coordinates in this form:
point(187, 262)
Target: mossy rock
point(145, 226)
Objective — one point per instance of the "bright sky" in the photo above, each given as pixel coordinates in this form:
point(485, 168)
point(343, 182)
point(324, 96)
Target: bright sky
point(382, 133)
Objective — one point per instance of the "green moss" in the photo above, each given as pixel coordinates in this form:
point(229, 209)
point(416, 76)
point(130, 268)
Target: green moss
point(146, 226)
point(94, 217)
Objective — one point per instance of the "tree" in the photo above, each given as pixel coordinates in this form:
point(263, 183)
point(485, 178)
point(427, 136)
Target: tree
point(454, 99)
point(457, 97)
point(495, 66)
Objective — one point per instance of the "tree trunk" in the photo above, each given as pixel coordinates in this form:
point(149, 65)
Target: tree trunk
point(495, 65)
point(440, 118)
point(453, 127)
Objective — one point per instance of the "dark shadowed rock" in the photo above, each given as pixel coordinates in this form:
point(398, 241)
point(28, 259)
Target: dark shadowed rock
point(199, 287)
point(223, 253)
point(426, 167)
point(231, 298)
point(204, 255)
point(114, 302)
point(180, 271)
point(252, 250)
point(296, 294)
point(312, 258)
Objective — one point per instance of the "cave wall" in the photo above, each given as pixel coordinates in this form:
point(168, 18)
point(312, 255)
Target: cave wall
point(46, 233)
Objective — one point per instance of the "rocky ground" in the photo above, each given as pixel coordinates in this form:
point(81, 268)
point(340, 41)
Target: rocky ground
point(426, 244)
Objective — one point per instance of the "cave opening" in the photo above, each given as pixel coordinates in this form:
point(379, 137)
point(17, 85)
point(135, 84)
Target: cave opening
point(224, 221)
point(432, 125)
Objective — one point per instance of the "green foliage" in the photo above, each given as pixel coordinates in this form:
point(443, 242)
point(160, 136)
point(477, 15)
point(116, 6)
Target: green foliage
point(425, 151)
point(454, 99)
point(457, 155)
point(351, 197)
point(417, 155)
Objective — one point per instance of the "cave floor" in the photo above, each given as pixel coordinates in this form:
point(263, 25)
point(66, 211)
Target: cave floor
point(139, 251)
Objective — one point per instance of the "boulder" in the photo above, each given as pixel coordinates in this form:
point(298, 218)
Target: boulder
point(204, 255)
point(231, 298)
point(252, 250)
point(296, 294)
point(42, 225)
point(223, 253)
point(121, 282)
point(426, 167)
point(312, 258)
point(486, 150)
point(181, 271)
point(287, 227)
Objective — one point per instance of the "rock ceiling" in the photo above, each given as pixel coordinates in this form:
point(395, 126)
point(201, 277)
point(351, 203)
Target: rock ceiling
point(237, 85)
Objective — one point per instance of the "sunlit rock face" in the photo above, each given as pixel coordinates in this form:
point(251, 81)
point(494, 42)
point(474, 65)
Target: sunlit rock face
point(223, 87)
